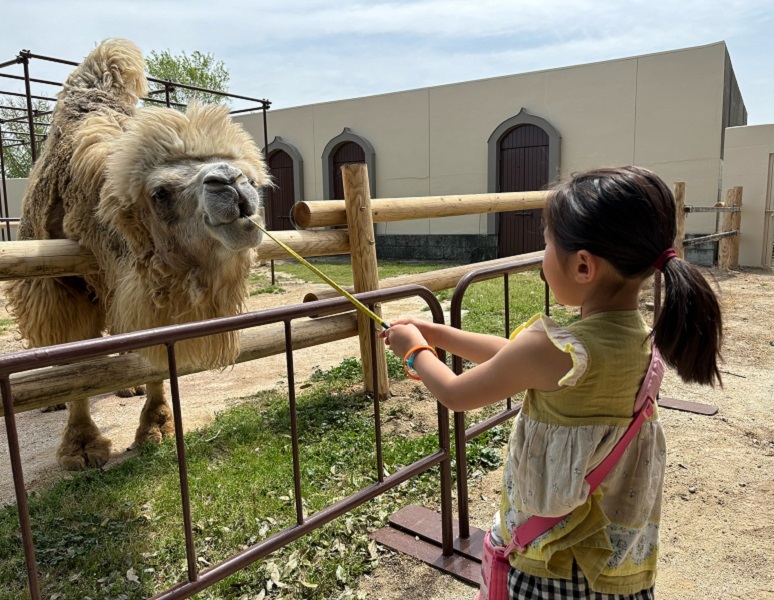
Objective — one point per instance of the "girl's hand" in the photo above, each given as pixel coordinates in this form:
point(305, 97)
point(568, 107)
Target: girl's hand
point(425, 328)
point(402, 337)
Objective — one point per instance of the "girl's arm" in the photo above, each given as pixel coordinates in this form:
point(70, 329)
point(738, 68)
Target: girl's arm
point(475, 347)
point(531, 360)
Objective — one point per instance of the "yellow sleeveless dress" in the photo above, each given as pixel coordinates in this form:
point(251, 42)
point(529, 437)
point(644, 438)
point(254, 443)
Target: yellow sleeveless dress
point(560, 436)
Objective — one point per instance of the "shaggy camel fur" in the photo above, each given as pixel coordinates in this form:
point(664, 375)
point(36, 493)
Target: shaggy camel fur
point(161, 198)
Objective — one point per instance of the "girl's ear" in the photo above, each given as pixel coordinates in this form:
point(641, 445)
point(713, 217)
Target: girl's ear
point(586, 267)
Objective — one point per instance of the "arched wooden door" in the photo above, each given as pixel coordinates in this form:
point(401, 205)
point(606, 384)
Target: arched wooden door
point(347, 153)
point(523, 167)
point(280, 199)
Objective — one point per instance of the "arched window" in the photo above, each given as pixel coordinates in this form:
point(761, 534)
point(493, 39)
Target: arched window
point(345, 148)
point(523, 156)
point(287, 170)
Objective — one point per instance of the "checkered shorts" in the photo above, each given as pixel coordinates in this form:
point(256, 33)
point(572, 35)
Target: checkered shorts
point(526, 587)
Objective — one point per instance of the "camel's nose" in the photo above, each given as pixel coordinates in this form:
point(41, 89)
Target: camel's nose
point(221, 174)
point(227, 194)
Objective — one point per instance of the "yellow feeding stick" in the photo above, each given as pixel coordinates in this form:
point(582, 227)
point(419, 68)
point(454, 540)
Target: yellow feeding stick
point(359, 305)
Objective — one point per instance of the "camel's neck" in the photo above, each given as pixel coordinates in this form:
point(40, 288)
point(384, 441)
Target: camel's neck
point(154, 296)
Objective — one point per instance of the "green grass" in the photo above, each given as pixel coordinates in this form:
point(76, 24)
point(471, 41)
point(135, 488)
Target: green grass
point(484, 302)
point(5, 324)
point(340, 270)
point(118, 533)
point(258, 284)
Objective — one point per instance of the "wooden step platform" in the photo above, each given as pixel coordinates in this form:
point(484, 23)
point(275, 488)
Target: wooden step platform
point(692, 407)
point(416, 531)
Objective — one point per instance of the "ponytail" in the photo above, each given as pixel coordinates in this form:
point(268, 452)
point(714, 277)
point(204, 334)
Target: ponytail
point(689, 329)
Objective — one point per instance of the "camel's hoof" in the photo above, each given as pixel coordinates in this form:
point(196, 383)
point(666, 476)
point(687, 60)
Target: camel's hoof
point(131, 392)
point(155, 426)
point(53, 408)
point(76, 455)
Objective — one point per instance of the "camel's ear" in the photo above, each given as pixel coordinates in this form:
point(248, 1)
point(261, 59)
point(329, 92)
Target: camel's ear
point(127, 219)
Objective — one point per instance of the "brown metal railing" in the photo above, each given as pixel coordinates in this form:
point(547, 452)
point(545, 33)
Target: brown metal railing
point(168, 336)
point(462, 435)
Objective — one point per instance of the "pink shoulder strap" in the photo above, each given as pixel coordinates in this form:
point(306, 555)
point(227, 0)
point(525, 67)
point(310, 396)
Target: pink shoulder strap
point(536, 526)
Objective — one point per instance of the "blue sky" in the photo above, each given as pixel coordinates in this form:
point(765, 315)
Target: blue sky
point(299, 52)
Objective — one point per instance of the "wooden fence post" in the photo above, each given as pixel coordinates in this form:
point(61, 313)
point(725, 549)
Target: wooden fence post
point(680, 216)
point(724, 250)
point(736, 224)
point(362, 242)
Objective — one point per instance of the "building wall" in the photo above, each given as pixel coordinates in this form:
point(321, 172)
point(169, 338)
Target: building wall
point(663, 111)
point(15, 189)
point(749, 162)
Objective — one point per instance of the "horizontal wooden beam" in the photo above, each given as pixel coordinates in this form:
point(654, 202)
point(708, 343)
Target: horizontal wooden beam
point(59, 258)
point(331, 212)
point(306, 243)
point(56, 385)
point(712, 209)
point(45, 258)
point(709, 239)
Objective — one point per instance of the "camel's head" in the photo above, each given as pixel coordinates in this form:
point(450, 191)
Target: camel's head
point(206, 200)
point(184, 186)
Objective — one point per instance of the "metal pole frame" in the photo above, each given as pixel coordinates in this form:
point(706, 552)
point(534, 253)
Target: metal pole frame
point(197, 581)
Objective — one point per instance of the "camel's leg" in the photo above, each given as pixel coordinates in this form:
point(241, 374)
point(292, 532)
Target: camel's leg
point(82, 444)
point(138, 390)
point(156, 418)
point(53, 311)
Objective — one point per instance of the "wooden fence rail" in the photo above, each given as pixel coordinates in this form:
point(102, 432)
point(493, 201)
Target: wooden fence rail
point(731, 209)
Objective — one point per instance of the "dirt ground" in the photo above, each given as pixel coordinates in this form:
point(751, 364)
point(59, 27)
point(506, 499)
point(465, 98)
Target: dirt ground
point(717, 538)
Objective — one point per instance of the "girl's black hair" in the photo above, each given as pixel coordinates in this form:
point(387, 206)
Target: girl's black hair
point(626, 216)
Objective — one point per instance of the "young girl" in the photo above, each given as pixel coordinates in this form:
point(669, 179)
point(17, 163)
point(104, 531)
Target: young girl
point(606, 231)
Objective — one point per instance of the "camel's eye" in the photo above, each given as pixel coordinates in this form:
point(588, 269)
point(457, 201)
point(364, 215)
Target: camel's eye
point(251, 182)
point(161, 194)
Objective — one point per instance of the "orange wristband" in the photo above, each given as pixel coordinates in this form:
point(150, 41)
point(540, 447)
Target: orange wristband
point(408, 360)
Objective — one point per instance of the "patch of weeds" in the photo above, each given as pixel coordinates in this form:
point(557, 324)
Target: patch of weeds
point(5, 324)
point(269, 289)
point(350, 370)
point(484, 451)
point(444, 295)
point(399, 411)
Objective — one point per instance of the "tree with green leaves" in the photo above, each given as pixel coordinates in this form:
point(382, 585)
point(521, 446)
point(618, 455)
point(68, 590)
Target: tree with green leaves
point(17, 154)
point(198, 69)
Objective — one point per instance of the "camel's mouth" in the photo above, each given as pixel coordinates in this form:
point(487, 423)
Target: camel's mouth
point(246, 214)
point(237, 234)
point(243, 219)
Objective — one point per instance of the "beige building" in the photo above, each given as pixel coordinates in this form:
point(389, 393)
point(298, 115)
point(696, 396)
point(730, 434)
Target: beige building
point(665, 111)
point(749, 162)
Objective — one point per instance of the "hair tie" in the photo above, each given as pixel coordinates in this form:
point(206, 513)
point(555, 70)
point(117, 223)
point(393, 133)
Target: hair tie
point(664, 258)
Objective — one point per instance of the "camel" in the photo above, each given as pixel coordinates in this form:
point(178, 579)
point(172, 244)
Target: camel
point(163, 199)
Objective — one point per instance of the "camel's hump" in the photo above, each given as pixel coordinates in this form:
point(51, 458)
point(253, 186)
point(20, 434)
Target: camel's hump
point(115, 66)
